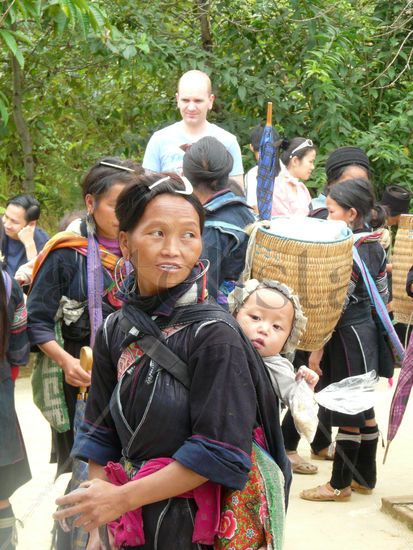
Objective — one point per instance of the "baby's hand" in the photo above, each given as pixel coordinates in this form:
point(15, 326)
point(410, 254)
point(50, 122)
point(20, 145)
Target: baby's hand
point(308, 375)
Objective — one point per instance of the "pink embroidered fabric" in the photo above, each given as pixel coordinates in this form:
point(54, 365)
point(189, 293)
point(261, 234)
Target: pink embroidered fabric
point(128, 530)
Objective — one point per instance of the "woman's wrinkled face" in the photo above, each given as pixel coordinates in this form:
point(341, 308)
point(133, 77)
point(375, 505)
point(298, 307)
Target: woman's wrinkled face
point(165, 245)
point(103, 211)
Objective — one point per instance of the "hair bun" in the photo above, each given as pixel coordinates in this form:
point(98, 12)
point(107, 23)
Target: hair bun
point(285, 143)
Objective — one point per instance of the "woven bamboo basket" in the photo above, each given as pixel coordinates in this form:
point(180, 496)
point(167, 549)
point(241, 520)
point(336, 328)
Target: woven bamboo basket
point(319, 273)
point(402, 261)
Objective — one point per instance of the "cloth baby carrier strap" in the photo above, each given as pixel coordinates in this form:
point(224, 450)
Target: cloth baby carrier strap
point(157, 350)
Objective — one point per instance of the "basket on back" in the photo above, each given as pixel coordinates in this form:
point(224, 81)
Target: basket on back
point(402, 261)
point(319, 272)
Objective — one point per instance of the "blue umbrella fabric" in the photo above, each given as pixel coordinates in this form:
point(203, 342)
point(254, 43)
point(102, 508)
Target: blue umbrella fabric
point(267, 165)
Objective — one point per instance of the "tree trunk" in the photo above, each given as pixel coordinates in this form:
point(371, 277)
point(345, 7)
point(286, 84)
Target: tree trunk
point(22, 127)
point(206, 37)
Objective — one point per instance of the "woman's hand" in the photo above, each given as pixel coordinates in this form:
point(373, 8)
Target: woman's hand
point(75, 375)
point(308, 375)
point(314, 361)
point(96, 503)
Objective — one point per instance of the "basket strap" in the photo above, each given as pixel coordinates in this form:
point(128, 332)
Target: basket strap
point(378, 304)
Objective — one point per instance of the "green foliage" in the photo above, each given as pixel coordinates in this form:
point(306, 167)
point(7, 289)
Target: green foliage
point(101, 77)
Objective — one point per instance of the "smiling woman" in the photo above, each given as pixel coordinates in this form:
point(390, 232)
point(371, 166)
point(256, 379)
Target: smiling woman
point(175, 390)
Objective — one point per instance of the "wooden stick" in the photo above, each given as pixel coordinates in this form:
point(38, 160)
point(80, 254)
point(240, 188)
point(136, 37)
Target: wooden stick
point(86, 362)
point(269, 113)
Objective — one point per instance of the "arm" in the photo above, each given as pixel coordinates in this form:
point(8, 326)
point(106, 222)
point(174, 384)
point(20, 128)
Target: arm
point(151, 160)
point(221, 426)
point(101, 502)
point(26, 236)
point(237, 171)
point(51, 283)
point(18, 346)
point(74, 373)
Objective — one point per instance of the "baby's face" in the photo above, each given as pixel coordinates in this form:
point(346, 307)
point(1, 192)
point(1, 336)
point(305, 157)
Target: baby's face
point(267, 318)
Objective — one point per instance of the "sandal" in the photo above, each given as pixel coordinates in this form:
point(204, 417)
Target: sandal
point(301, 466)
point(361, 489)
point(325, 493)
point(324, 454)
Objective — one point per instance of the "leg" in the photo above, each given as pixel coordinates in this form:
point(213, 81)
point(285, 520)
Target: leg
point(321, 446)
point(345, 457)
point(365, 475)
point(290, 434)
point(8, 538)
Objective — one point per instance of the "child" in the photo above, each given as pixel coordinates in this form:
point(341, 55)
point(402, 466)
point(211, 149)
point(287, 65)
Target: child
point(354, 347)
point(271, 317)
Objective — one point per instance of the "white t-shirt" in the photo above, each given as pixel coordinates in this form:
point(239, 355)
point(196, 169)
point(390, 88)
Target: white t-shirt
point(164, 152)
point(250, 186)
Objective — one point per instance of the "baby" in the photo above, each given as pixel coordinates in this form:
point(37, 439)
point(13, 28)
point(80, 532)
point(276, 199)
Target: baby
point(271, 317)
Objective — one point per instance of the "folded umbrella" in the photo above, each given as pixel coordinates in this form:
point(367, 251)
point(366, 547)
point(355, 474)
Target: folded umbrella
point(267, 165)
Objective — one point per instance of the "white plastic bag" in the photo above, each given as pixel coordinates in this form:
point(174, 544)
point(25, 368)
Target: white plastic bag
point(304, 410)
point(351, 395)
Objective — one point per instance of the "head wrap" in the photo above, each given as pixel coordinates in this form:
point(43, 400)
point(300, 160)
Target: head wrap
point(397, 199)
point(240, 295)
point(346, 156)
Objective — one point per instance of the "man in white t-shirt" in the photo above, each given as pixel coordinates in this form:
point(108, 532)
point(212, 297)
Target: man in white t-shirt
point(166, 148)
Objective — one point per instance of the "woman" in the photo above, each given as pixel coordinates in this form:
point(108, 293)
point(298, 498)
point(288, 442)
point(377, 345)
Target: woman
point(344, 163)
point(74, 283)
point(14, 352)
point(353, 348)
point(196, 420)
point(290, 195)
point(207, 165)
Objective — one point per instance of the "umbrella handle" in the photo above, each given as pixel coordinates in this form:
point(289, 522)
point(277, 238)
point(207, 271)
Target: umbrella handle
point(386, 451)
point(269, 113)
point(86, 362)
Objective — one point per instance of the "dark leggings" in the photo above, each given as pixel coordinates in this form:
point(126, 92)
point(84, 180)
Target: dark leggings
point(322, 437)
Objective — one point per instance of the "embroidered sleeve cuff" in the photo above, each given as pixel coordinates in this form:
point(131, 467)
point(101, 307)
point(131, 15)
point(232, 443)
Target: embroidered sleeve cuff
point(216, 461)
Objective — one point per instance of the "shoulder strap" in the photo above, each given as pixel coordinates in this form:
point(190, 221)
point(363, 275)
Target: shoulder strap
point(377, 302)
point(158, 350)
point(165, 358)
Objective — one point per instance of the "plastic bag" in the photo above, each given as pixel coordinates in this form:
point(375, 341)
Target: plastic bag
point(304, 410)
point(351, 395)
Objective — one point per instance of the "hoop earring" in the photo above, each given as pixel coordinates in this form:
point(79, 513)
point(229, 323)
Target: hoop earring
point(123, 265)
point(90, 224)
point(201, 273)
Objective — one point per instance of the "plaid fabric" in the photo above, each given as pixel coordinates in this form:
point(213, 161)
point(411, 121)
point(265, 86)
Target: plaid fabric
point(402, 392)
point(266, 173)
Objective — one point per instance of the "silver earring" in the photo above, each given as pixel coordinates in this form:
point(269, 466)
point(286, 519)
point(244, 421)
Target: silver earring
point(123, 265)
point(202, 273)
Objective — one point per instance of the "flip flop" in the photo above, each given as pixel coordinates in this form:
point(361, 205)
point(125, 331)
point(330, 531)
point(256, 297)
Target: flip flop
point(302, 466)
point(325, 493)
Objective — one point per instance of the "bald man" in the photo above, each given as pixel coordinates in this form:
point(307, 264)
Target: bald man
point(166, 148)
